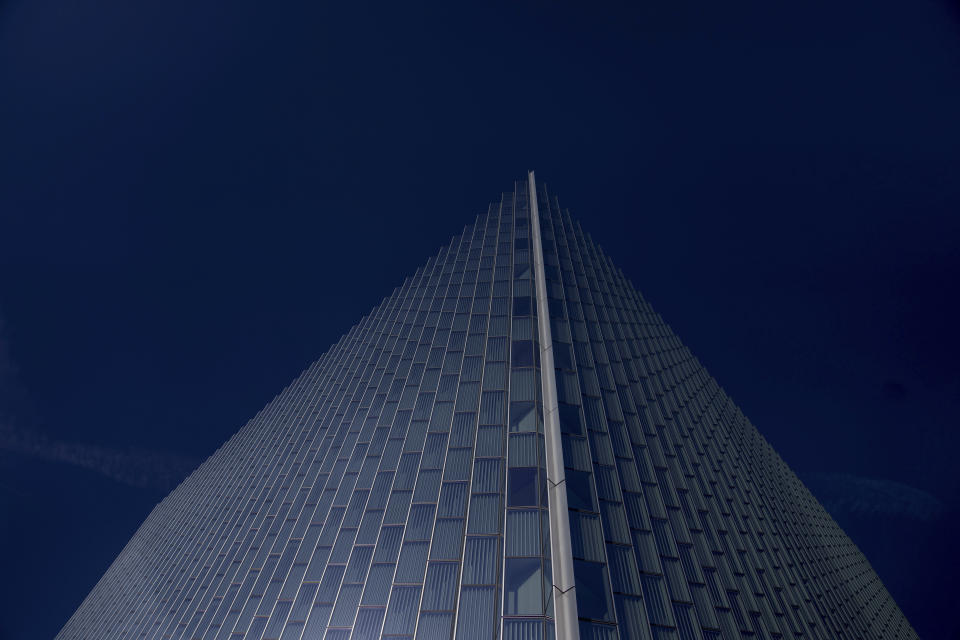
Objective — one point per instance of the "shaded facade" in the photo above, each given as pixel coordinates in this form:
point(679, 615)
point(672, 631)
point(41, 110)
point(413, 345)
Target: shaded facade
point(398, 488)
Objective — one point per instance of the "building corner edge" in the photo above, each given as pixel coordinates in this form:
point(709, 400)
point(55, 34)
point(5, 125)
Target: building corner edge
point(561, 553)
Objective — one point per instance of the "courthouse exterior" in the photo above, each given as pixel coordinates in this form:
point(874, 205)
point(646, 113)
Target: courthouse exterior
point(512, 445)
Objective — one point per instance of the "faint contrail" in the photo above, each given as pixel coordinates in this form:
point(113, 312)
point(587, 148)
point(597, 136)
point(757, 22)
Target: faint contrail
point(135, 467)
point(848, 493)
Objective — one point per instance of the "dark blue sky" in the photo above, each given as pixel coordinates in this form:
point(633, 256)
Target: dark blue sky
point(198, 198)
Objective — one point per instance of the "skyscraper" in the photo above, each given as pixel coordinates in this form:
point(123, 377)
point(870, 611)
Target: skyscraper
point(511, 445)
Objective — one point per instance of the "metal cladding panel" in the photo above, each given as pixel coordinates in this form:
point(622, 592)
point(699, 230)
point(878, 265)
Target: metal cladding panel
point(398, 487)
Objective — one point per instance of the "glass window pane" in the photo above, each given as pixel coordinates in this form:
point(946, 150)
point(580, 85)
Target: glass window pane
point(346, 606)
point(521, 306)
point(433, 451)
point(522, 487)
point(523, 385)
point(632, 617)
point(522, 587)
point(397, 507)
point(378, 585)
point(491, 407)
point(562, 356)
point(522, 328)
point(447, 539)
point(368, 624)
point(478, 613)
point(359, 561)
point(434, 624)
point(413, 562)
point(428, 486)
point(576, 452)
point(402, 613)
point(331, 583)
point(523, 450)
point(453, 499)
point(495, 376)
point(490, 441)
point(486, 476)
point(420, 525)
point(594, 600)
point(522, 417)
point(623, 569)
point(484, 513)
point(440, 588)
point(523, 630)
point(569, 417)
point(580, 490)
point(480, 560)
point(594, 631)
point(458, 465)
point(523, 532)
point(389, 544)
point(522, 354)
point(586, 536)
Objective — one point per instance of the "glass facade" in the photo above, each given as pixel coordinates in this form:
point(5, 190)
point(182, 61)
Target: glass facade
point(398, 488)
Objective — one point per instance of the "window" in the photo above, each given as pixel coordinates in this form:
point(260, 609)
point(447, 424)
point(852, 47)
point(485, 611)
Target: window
point(523, 587)
point(523, 532)
point(522, 487)
point(402, 614)
point(521, 306)
point(522, 417)
point(480, 560)
point(522, 353)
point(569, 417)
point(580, 490)
point(562, 357)
point(594, 600)
point(441, 586)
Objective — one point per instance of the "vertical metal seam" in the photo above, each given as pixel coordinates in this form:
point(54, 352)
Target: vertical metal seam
point(561, 551)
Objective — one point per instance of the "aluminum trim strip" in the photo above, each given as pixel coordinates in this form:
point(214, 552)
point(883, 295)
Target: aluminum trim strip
point(561, 552)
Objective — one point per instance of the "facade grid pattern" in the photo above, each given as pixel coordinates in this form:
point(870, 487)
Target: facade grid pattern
point(397, 488)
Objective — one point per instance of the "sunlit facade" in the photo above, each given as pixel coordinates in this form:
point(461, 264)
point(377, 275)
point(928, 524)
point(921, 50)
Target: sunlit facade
point(399, 487)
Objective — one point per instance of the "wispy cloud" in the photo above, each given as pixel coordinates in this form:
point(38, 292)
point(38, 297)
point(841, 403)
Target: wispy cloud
point(131, 466)
point(848, 493)
point(135, 467)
